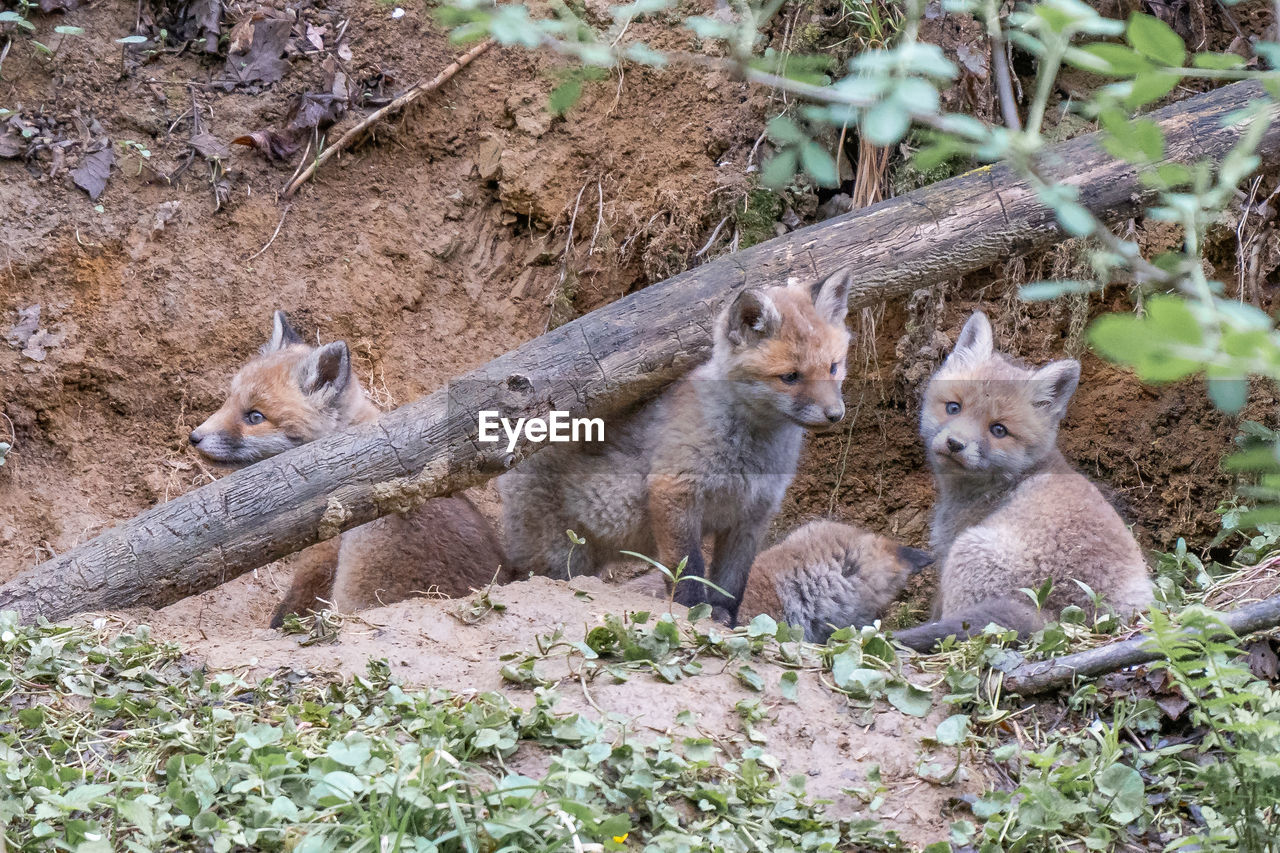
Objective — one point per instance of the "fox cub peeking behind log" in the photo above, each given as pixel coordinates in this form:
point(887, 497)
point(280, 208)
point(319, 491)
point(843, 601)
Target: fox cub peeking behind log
point(1011, 511)
point(292, 393)
point(709, 457)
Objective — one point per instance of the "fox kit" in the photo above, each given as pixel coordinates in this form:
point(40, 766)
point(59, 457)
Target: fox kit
point(828, 575)
point(292, 393)
point(709, 457)
point(1011, 512)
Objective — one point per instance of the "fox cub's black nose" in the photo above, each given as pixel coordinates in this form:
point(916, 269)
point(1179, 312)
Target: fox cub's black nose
point(954, 446)
point(835, 415)
point(195, 437)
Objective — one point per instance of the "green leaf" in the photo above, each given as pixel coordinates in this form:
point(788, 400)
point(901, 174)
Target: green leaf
point(65, 30)
point(788, 685)
point(1124, 789)
point(953, 731)
point(750, 678)
point(1044, 290)
point(352, 751)
point(909, 699)
point(339, 784)
point(699, 749)
point(1074, 218)
point(843, 665)
point(1120, 61)
point(708, 28)
point(1229, 395)
point(1217, 61)
point(622, 14)
point(1148, 87)
point(564, 96)
point(777, 173)
point(1119, 337)
point(132, 40)
point(645, 55)
point(1154, 38)
point(962, 832)
point(699, 612)
point(10, 17)
point(763, 625)
point(1171, 320)
point(819, 164)
point(885, 124)
point(1139, 141)
point(785, 131)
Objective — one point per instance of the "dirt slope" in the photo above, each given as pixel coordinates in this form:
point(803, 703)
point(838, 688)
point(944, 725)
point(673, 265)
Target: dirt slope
point(820, 735)
point(461, 231)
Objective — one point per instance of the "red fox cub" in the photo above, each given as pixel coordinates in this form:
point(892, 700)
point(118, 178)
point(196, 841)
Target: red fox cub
point(709, 457)
point(292, 393)
point(1011, 511)
point(828, 575)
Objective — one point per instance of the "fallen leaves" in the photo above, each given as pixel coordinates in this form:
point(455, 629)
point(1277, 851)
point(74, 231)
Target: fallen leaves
point(93, 172)
point(310, 113)
point(257, 50)
point(182, 21)
point(29, 337)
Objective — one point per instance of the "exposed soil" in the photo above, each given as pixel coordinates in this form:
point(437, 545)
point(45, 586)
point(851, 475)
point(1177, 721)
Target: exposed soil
point(820, 735)
point(463, 230)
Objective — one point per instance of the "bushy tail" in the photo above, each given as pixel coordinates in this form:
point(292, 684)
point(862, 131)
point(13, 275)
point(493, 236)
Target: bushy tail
point(1014, 611)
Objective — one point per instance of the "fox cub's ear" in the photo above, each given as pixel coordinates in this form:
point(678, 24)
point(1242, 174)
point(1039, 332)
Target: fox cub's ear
point(831, 296)
point(751, 318)
point(975, 342)
point(282, 334)
point(327, 370)
point(1054, 385)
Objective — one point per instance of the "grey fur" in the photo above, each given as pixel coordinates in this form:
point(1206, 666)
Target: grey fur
point(826, 575)
point(723, 446)
point(1011, 511)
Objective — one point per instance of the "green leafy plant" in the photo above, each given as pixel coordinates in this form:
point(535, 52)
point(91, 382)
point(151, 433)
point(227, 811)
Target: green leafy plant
point(676, 576)
point(112, 741)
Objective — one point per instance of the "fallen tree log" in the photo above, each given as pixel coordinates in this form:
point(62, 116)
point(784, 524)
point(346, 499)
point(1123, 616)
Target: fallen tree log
point(1042, 676)
point(595, 365)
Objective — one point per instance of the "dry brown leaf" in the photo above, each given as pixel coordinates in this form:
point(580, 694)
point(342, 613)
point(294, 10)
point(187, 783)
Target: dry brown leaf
point(93, 172)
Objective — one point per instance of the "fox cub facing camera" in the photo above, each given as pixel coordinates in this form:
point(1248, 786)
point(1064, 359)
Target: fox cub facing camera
point(292, 393)
point(1011, 511)
point(828, 575)
point(709, 457)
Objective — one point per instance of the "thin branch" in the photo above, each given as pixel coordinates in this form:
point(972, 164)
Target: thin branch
point(1042, 676)
point(374, 117)
point(1000, 65)
point(274, 235)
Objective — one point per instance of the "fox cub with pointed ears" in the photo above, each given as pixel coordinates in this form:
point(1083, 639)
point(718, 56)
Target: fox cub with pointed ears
point(1011, 511)
point(292, 393)
point(709, 457)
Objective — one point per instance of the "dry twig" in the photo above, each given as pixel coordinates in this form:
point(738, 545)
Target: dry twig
point(377, 115)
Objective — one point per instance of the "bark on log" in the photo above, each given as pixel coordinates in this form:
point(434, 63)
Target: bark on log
point(1043, 676)
point(597, 365)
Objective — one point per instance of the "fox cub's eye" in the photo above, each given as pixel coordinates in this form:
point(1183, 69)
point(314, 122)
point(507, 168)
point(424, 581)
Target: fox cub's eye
point(790, 378)
point(835, 365)
point(999, 431)
point(253, 417)
point(953, 408)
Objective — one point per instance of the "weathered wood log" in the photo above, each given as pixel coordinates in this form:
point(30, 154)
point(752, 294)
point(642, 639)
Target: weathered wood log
point(1043, 676)
point(597, 365)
